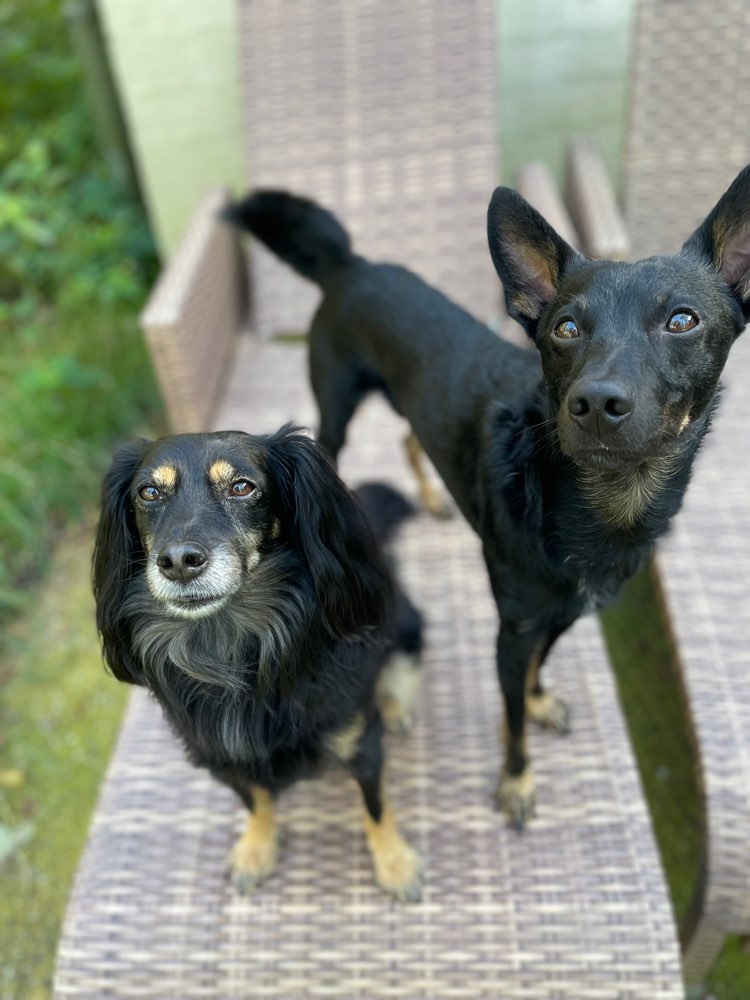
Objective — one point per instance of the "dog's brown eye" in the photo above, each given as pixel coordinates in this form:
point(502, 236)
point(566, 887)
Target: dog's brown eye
point(566, 330)
point(242, 488)
point(681, 321)
point(149, 493)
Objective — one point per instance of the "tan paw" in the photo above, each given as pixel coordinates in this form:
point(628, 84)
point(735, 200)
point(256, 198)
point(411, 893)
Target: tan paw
point(396, 692)
point(252, 860)
point(549, 712)
point(516, 796)
point(399, 871)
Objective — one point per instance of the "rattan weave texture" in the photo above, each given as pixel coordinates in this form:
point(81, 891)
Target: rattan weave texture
point(690, 99)
point(194, 315)
point(574, 908)
point(386, 113)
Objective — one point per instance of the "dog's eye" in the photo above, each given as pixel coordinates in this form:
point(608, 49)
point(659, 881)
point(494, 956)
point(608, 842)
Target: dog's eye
point(149, 493)
point(242, 488)
point(566, 330)
point(681, 321)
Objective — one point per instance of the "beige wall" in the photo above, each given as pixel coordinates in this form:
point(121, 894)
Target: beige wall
point(176, 63)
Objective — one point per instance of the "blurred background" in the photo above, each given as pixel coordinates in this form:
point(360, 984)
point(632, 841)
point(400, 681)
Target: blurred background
point(116, 117)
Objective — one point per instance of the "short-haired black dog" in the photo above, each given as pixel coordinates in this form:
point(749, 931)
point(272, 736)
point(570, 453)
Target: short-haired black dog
point(239, 579)
point(568, 462)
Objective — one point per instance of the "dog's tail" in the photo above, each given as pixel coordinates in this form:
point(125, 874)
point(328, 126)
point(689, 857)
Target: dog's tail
point(385, 509)
point(303, 234)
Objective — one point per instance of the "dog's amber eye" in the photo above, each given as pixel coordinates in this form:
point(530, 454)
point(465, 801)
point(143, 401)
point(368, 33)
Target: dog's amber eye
point(242, 488)
point(681, 321)
point(149, 493)
point(566, 330)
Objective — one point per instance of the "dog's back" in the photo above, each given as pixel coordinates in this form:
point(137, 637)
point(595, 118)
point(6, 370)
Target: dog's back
point(373, 329)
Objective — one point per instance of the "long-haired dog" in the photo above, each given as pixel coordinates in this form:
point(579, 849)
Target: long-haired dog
point(239, 579)
point(569, 461)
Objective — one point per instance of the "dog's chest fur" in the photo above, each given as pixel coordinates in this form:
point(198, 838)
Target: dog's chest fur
point(585, 533)
point(260, 699)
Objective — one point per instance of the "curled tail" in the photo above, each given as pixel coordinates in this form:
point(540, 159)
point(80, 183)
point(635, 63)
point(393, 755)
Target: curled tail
point(303, 234)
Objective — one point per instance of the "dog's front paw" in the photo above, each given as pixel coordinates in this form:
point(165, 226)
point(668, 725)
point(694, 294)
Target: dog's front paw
point(516, 796)
point(399, 872)
point(549, 712)
point(253, 859)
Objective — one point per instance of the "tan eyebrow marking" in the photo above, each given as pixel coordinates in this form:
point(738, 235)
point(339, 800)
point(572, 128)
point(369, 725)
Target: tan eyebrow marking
point(221, 472)
point(165, 476)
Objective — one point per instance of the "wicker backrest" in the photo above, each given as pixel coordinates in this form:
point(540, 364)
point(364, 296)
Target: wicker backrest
point(690, 104)
point(386, 113)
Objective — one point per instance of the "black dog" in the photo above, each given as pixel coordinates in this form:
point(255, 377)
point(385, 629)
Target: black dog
point(568, 463)
point(239, 579)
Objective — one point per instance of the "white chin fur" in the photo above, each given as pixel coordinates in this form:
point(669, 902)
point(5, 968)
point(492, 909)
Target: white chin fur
point(199, 611)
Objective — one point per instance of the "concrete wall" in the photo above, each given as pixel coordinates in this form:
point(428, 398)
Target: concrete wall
point(176, 64)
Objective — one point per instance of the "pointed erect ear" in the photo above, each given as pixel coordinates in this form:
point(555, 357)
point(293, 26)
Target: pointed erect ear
point(723, 239)
point(528, 255)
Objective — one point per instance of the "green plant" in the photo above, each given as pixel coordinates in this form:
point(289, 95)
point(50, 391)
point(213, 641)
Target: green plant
point(76, 259)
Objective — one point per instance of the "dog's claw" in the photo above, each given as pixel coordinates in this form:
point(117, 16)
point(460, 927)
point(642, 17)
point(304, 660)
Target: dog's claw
point(516, 797)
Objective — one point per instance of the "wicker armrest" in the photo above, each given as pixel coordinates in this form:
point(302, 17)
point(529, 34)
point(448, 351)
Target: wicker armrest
point(592, 204)
point(701, 567)
point(194, 314)
point(705, 599)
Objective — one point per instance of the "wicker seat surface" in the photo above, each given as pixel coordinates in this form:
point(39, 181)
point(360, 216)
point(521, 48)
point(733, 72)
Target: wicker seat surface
point(576, 907)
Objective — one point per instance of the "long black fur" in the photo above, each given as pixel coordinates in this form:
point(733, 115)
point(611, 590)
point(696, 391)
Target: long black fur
point(568, 494)
point(256, 685)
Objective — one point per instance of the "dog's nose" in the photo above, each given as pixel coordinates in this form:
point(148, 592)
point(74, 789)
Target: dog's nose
point(182, 561)
point(594, 403)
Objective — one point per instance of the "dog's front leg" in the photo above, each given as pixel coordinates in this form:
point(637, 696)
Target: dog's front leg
point(254, 855)
point(398, 867)
point(517, 651)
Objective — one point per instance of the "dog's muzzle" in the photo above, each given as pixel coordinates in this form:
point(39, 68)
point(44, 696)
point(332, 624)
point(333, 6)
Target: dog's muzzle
point(191, 580)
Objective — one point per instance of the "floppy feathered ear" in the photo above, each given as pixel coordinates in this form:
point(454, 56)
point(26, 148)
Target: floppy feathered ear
point(324, 522)
point(723, 239)
point(528, 255)
point(118, 556)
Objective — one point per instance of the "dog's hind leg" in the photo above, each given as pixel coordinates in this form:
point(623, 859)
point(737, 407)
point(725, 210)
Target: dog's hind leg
point(431, 498)
point(398, 867)
point(398, 683)
point(254, 855)
point(339, 386)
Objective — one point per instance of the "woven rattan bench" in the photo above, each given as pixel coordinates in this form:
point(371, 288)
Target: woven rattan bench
point(398, 138)
point(575, 908)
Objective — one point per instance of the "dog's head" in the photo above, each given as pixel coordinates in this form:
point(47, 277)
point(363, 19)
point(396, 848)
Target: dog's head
point(205, 518)
point(631, 352)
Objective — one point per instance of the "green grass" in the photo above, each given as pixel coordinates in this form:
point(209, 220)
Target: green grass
point(59, 716)
point(648, 677)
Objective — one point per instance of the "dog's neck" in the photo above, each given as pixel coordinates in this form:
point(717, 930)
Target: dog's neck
point(623, 496)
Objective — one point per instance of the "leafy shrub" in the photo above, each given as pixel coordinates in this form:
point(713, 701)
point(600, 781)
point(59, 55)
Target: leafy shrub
point(76, 260)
